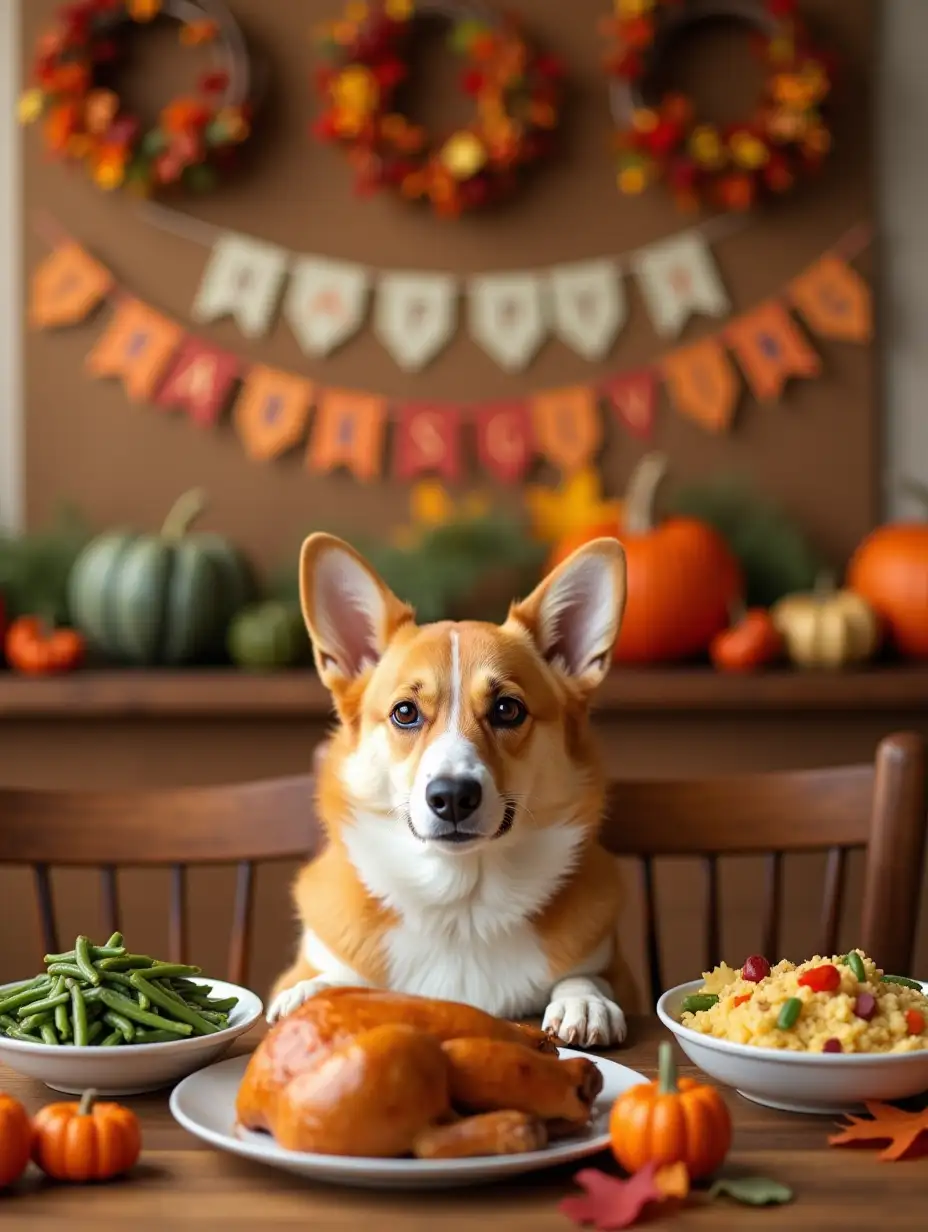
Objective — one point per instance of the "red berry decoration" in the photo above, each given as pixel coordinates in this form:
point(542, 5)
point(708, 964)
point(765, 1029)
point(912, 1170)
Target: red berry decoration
point(755, 969)
point(825, 978)
point(832, 1045)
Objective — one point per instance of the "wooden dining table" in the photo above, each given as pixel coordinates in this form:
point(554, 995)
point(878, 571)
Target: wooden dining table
point(181, 1183)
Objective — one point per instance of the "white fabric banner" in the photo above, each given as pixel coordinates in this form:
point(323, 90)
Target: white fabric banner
point(679, 277)
point(415, 316)
point(243, 280)
point(507, 317)
point(326, 302)
point(588, 306)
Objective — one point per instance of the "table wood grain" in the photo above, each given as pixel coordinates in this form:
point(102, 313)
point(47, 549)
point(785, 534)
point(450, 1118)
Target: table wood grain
point(180, 1183)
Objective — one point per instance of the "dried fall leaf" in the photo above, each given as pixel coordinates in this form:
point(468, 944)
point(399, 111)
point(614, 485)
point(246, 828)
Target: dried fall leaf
point(901, 1129)
point(673, 1180)
point(752, 1190)
point(609, 1202)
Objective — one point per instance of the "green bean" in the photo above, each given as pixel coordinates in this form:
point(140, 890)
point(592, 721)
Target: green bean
point(114, 1038)
point(166, 971)
point(789, 1013)
point(856, 964)
point(172, 1005)
point(49, 1036)
point(96, 952)
point(154, 1037)
point(40, 981)
point(887, 979)
point(115, 943)
point(121, 1024)
point(126, 962)
point(95, 1029)
point(122, 1005)
point(26, 997)
point(25, 1037)
point(68, 969)
point(219, 1005)
point(84, 961)
point(34, 1021)
point(219, 1020)
point(7, 1021)
point(188, 985)
point(699, 1001)
point(39, 1007)
point(62, 1018)
point(79, 1017)
point(123, 981)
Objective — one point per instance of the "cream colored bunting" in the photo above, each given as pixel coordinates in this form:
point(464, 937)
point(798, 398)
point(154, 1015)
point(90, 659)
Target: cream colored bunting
point(415, 316)
point(507, 317)
point(588, 306)
point(678, 277)
point(243, 280)
point(326, 303)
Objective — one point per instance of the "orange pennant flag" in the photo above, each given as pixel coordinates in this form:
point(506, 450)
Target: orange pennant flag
point(66, 287)
point(770, 349)
point(568, 429)
point(349, 432)
point(271, 412)
point(702, 384)
point(834, 300)
point(137, 346)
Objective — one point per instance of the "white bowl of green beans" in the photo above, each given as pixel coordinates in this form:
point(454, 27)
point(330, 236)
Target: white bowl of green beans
point(120, 1023)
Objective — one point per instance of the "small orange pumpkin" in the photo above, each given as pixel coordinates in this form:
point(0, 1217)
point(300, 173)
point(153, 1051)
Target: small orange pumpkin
point(890, 570)
point(36, 651)
point(671, 1121)
point(86, 1141)
point(751, 642)
point(15, 1140)
point(682, 578)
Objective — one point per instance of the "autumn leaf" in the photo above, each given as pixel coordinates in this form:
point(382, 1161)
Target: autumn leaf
point(752, 1190)
point(610, 1202)
point(673, 1180)
point(901, 1129)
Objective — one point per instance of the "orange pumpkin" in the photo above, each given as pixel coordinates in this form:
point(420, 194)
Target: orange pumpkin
point(671, 1121)
point(577, 539)
point(682, 578)
point(753, 641)
point(36, 651)
point(15, 1140)
point(890, 570)
point(86, 1141)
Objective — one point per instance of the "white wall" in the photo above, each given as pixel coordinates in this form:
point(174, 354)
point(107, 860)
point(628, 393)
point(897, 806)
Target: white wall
point(903, 180)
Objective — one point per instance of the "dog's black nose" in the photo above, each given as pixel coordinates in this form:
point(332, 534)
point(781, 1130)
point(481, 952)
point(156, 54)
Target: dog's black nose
point(453, 799)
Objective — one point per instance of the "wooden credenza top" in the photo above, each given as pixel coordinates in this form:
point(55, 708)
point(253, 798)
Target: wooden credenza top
point(218, 694)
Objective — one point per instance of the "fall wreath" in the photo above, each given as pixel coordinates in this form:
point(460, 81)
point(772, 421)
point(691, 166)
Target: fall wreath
point(728, 167)
point(516, 95)
point(84, 120)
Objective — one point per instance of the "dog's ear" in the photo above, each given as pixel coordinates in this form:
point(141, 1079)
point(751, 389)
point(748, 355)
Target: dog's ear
point(575, 613)
point(350, 613)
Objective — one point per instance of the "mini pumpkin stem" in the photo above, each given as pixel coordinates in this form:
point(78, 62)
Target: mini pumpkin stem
point(641, 493)
point(666, 1069)
point(84, 1107)
point(183, 513)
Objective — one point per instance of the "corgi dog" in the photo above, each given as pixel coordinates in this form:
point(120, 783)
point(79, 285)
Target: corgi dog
point(462, 795)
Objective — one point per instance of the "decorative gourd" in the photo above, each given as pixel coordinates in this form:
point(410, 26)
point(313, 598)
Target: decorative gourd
point(15, 1140)
point(671, 1121)
point(268, 636)
point(827, 628)
point(85, 1141)
point(682, 578)
point(163, 599)
point(890, 570)
point(752, 641)
point(35, 650)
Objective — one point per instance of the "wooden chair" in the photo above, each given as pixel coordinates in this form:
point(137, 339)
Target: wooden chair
point(243, 824)
point(879, 807)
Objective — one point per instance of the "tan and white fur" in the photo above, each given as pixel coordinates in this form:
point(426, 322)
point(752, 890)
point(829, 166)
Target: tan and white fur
point(462, 796)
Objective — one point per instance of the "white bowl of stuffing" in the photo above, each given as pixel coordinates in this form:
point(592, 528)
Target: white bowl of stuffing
point(821, 1036)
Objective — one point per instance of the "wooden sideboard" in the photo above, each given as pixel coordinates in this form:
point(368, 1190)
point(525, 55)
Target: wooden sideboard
point(125, 729)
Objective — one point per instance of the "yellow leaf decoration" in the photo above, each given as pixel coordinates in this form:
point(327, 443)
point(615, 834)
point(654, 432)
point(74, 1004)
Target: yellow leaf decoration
point(431, 505)
point(575, 505)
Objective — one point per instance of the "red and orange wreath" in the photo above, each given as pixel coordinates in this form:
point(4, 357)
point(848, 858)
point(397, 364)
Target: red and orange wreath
point(516, 94)
point(728, 167)
point(84, 120)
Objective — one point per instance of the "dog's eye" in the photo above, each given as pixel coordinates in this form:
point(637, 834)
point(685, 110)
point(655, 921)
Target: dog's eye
point(507, 712)
point(405, 714)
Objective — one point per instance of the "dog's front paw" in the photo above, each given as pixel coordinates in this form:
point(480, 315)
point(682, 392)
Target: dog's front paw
point(587, 1022)
point(292, 998)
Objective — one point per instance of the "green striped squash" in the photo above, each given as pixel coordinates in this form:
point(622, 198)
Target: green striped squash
point(161, 599)
point(268, 637)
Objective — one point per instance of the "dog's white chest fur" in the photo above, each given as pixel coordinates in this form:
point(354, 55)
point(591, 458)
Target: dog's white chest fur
point(464, 930)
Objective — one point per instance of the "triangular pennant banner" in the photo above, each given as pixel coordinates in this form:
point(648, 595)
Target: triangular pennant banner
point(834, 300)
point(200, 382)
point(243, 280)
point(348, 432)
point(504, 439)
point(633, 399)
point(428, 441)
point(588, 306)
point(507, 317)
point(678, 278)
point(271, 412)
point(702, 384)
point(770, 349)
point(415, 316)
point(326, 303)
point(136, 347)
point(66, 287)
point(568, 431)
